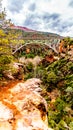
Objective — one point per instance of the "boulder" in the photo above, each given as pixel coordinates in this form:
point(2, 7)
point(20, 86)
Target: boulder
point(8, 74)
point(15, 71)
point(22, 107)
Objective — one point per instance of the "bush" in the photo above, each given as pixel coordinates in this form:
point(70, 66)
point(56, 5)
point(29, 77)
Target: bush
point(52, 77)
point(29, 55)
point(29, 67)
point(60, 105)
point(5, 59)
point(28, 76)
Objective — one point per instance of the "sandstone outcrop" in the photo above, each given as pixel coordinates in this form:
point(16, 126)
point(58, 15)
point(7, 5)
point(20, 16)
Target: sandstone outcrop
point(22, 107)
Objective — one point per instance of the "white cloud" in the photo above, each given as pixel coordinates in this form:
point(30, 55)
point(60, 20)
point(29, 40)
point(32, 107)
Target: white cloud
point(69, 32)
point(45, 15)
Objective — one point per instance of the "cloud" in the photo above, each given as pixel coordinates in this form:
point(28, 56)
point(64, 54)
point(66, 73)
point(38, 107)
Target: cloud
point(33, 21)
point(54, 16)
point(50, 17)
point(32, 7)
point(71, 3)
point(15, 5)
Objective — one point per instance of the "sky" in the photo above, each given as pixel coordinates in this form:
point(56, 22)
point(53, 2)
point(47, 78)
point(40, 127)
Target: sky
point(54, 16)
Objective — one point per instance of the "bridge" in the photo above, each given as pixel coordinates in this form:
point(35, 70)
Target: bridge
point(54, 45)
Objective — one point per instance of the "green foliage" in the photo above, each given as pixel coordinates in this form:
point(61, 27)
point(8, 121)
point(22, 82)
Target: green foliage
point(30, 55)
point(54, 117)
point(28, 76)
point(60, 105)
point(51, 123)
point(1, 76)
point(58, 73)
point(29, 67)
point(68, 41)
point(4, 59)
point(52, 77)
point(62, 126)
point(40, 72)
point(10, 40)
point(71, 125)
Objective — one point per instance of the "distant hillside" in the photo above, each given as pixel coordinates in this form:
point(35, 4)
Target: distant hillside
point(32, 34)
point(22, 28)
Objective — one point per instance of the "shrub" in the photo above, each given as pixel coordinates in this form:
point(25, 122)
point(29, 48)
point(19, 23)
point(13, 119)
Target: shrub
point(29, 67)
point(5, 59)
point(52, 77)
point(29, 55)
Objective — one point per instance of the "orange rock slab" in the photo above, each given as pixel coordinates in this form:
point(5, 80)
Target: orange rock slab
point(22, 107)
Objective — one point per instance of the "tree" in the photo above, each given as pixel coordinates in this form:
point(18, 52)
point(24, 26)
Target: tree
point(2, 14)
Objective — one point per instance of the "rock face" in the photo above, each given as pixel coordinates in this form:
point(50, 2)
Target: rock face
point(22, 107)
point(35, 61)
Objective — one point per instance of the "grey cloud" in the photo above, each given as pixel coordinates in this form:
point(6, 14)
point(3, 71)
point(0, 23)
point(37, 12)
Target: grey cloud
point(55, 23)
point(32, 7)
point(32, 20)
point(15, 5)
point(61, 26)
point(47, 17)
point(54, 16)
point(71, 3)
point(28, 20)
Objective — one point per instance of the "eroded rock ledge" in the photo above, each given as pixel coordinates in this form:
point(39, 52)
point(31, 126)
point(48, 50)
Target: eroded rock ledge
point(22, 107)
